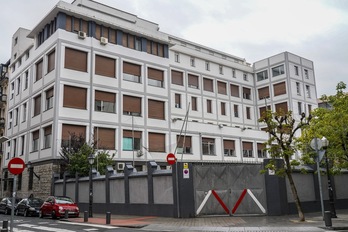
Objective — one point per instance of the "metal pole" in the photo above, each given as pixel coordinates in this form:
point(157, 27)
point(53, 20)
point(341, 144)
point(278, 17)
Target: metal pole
point(90, 192)
point(329, 186)
point(13, 201)
point(133, 139)
point(319, 179)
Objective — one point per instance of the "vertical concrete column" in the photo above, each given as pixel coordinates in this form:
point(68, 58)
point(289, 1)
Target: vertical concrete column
point(108, 173)
point(151, 167)
point(128, 169)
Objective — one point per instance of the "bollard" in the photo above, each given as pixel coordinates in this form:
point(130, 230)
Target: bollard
point(5, 224)
point(327, 218)
point(85, 216)
point(66, 214)
point(108, 218)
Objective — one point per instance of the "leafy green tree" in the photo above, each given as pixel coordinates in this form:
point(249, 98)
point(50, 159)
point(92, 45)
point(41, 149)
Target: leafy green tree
point(282, 144)
point(331, 122)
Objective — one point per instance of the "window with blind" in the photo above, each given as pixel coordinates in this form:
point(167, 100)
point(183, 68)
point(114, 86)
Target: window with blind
point(208, 85)
point(222, 87)
point(193, 81)
point(263, 110)
point(131, 72)
point(75, 59)
point(223, 108)
point(51, 59)
point(131, 105)
point(234, 90)
point(74, 24)
point(281, 108)
point(72, 134)
point(248, 114)
point(37, 105)
point(156, 109)
point(105, 101)
point(261, 150)
point(127, 141)
point(184, 144)
point(39, 70)
point(194, 103)
point(279, 89)
point(75, 97)
point(208, 146)
point(47, 137)
point(155, 77)
point(263, 92)
point(177, 77)
point(229, 148)
point(105, 66)
point(177, 100)
point(35, 140)
point(49, 98)
point(247, 149)
point(104, 138)
point(236, 111)
point(156, 142)
point(209, 106)
point(246, 93)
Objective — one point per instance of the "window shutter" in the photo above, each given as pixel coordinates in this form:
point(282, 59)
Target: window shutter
point(194, 103)
point(75, 60)
point(223, 108)
point(132, 69)
point(234, 90)
point(177, 78)
point(208, 140)
point(104, 138)
point(263, 92)
point(48, 130)
point(36, 135)
point(208, 85)
point(131, 104)
point(68, 129)
point(155, 74)
point(37, 105)
point(105, 66)
point(105, 96)
point(229, 144)
point(156, 142)
point(49, 93)
point(261, 146)
point(129, 134)
point(39, 71)
point(209, 106)
point(279, 89)
point(222, 87)
point(75, 97)
point(247, 146)
point(180, 141)
point(193, 80)
point(155, 109)
point(51, 61)
point(68, 26)
point(282, 108)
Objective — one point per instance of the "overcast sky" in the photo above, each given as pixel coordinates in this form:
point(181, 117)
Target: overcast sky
point(251, 29)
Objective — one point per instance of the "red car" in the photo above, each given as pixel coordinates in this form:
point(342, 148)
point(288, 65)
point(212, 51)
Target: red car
point(55, 206)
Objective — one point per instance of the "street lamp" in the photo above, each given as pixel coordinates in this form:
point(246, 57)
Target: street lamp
point(329, 186)
point(91, 162)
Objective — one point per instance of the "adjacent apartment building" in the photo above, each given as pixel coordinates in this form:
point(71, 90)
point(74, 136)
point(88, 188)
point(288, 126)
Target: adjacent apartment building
point(139, 93)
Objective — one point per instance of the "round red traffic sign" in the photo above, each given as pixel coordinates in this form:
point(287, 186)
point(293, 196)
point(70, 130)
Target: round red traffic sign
point(16, 166)
point(171, 159)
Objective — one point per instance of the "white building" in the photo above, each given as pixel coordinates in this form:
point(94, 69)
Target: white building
point(114, 78)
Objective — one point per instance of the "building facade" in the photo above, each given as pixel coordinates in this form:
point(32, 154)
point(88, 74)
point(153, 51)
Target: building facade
point(139, 93)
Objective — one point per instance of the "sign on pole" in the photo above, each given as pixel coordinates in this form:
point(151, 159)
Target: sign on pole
point(171, 159)
point(16, 166)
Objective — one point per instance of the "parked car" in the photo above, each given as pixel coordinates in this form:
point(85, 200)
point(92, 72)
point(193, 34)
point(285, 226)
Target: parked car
point(55, 206)
point(29, 207)
point(6, 204)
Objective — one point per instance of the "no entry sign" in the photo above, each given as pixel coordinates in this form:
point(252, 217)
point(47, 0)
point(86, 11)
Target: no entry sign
point(171, 159)
point(16, 166)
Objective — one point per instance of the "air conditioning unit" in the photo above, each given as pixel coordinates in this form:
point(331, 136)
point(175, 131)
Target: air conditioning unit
point(120, 166)
point(140, 153)
point(81, 35)
point(103, 40)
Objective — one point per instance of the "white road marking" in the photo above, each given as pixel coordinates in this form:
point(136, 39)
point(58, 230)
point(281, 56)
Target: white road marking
point(91, 225)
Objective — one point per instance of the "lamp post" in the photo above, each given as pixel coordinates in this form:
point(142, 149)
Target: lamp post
point(329, 186)
point(91, 162)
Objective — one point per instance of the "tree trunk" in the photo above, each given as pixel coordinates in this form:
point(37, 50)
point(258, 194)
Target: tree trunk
point(295, 195)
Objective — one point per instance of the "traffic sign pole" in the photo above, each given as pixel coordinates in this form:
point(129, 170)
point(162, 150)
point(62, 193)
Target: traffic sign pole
point(13, 201)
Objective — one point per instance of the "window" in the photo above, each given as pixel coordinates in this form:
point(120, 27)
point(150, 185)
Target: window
point(299, 108)
point(131, 72)
point(309, 109)
point(177, 57)
point(279, 89)
point(207, 65)
point(222, 87)
point(184, 143)
point(296, 70)
point(105, 66)
point(37, 105)
point(279, 70)
point(105, 102)
point(22, 141)
point(223, 108)
point(24, 118)
point(177, 78)
point(194, 103)
point(263, 92)
point(70, 132)
point(263, 75)
point(138, 44)
point(236, 111)
point(177, 100)
point(75, 60)
point(12, 89)
point(35, 141)
point(247, 149)
point(75, 97)
point(281, 108)
point(131, 105)
point(208, 85)
point(209, 106)
point(49, 99)
point(18, 85)
point(261, 150)
point(263, 110)
point(306, 74)
point(156, 109)
point(155, 77)
point(104, 138)
point(193, 81)
point(10, 121)
point(308, 91)
point(234, 90)
point(26, 80)
point(229, 148)
point(245, 76)
point(192, 61)
point(39, 71)
point(47, 137)
point(248, 115)
point(128, 137)
point(298, 88)
point(246, 93)
point(208, 146)
point(234, 73)
point(156, 142)
point(221, 69)
point(51, 61)
point(14, 148)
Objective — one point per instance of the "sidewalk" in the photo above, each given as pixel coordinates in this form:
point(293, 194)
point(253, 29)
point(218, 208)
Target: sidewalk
point(314, 222)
